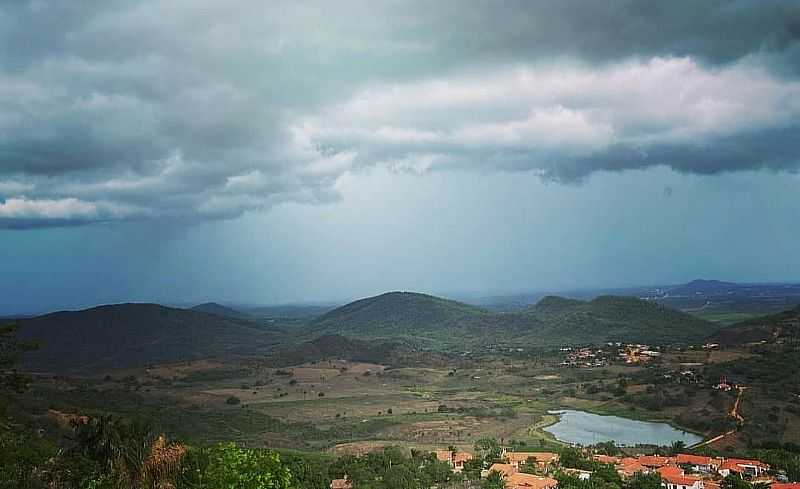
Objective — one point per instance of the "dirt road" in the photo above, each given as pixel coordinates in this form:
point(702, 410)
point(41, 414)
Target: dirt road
point(734, 413)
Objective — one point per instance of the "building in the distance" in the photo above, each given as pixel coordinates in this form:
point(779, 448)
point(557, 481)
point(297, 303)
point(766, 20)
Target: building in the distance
point(342, 483)
point(455, 459)
point(543, 460)
point(675, 478)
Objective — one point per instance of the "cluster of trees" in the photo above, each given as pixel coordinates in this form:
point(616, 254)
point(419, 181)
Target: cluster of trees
point(106, 452)
point(113, 453)
point(392, 469)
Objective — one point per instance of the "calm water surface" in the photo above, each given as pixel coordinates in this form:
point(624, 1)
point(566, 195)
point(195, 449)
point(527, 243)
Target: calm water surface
point(587, 429)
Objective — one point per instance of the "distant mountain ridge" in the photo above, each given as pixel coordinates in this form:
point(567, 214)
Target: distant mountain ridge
point(552, 321)
point(218, 309)
point(393, 325)
point(135, 335)
point(705, 287)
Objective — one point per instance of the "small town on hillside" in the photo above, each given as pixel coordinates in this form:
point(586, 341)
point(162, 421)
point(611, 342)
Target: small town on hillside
point(539, 470)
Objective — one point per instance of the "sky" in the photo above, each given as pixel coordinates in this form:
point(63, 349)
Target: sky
point(272, 152)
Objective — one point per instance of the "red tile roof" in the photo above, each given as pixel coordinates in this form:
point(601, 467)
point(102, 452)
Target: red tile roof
point(540, 457)
point(529, 481)
point(630, 466)
point(605, 459)
point(684, 458)
point(443, 455)
point(504, 469)
point(462, 457)
point(675, 475)
point(341, 484)
point(737, 464)
point(746, 461)
point(654, 461)
point(785, 485)
point(670, 471)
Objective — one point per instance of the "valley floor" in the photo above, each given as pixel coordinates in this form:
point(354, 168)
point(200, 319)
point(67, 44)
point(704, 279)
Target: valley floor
point(346, 407)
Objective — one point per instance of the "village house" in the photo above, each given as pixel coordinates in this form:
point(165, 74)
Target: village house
point(517, 480)
point(722, 385)
point(444, 456)
point(697, 463)
point(710, 470)
point(629, 466)
point(674, 478)
point(456, 460)
point(751, 468)
point(459, 459)
point(504, 469)
point(606, 459)
point(520, 480)
point(543, 460)
point(654, 461)
point(342, 483)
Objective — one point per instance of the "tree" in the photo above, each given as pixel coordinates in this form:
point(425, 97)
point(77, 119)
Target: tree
point(228, 466)
point(677, 447)
point(129, 451)
point(573, 458)
point(734, 481)
point(10, 348)
point(488, 449)
point(530, 466)
point(607, 448)
point(493, 481)
point(472, 469)
point(21, 455)
point(644, 481)
point(22, 452)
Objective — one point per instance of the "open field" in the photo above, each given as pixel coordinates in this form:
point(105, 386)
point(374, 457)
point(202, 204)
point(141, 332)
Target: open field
point(341, 405)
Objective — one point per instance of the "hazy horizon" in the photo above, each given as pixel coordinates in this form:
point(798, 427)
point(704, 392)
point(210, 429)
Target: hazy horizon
point(473, 296)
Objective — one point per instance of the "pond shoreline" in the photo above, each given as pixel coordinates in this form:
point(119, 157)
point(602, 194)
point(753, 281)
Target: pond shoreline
point(602, 409)
point(584, 427)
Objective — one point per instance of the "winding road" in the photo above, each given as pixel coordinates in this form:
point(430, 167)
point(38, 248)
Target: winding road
point(734, 413)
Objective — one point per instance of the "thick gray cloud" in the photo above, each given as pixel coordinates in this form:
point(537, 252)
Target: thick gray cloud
point(199, 110)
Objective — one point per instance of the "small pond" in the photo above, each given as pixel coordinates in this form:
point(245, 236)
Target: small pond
point(587, 429)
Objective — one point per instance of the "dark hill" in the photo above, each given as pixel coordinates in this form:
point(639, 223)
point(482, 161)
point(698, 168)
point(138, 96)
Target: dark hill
point(617, 318)
point(132, 335)
point(705, 287)
point(555, 304)
point(783, 326)
point(398, 314)
point(219, 310)
point(431, 321)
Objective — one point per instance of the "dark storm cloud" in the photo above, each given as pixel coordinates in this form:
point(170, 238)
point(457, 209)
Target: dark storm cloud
point(776, 150)
point(202, 110)
point(714, 31)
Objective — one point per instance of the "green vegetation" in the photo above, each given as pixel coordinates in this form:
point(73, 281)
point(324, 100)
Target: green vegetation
point(783, 326)
point(398, 315)
point(227, 465)
point(123, 335)
point(553, 321)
